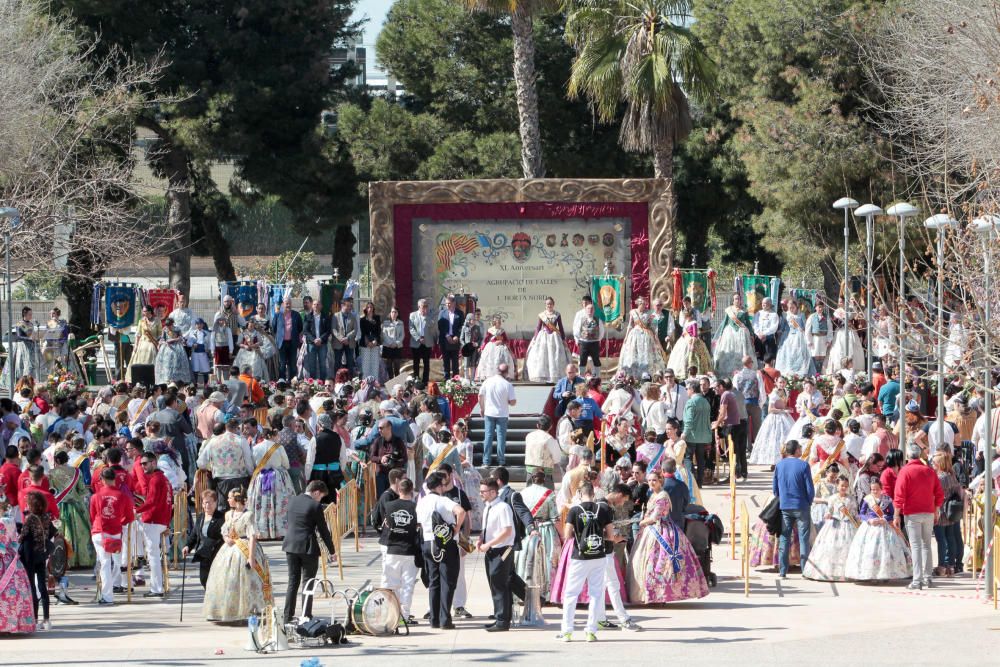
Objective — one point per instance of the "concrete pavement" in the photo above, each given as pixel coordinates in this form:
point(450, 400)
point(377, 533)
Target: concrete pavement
point(790, 621)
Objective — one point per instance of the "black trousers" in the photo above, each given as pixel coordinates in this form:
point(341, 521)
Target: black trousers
point(739, 435)
point(38, 581)
point(204, 567)
point(590, 350)
point(287, 360)
point(700, 456)
point(442, 580)
point(422, 354)
point(300, 568)
point(450, 359)
point(498, 573)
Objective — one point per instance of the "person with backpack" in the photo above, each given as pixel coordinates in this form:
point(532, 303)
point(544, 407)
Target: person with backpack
point(36, 536)
point(588, 525)
point(439, 517)
point(401, 538)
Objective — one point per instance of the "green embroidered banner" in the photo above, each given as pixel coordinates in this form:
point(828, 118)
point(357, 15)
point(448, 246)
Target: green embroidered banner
point(695, 285)
point(608, 293)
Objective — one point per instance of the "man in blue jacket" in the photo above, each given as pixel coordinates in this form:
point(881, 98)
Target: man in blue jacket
point(793, 486)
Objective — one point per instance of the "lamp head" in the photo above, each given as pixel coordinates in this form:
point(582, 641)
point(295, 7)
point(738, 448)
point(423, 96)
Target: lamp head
point(986, 225)
point(869, 210)
point(903, 210)
point(845, 203)
point(940, 221)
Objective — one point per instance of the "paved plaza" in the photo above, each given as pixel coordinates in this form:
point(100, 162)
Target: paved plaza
point(782, 622)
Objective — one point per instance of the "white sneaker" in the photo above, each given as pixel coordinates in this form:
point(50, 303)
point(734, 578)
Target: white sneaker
point(564, 637)
point(631, 626)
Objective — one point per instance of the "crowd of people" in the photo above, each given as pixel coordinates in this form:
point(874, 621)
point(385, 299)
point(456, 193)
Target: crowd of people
point(252, 426)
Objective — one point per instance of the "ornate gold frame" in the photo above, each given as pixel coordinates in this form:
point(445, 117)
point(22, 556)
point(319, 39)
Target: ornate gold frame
point(383, 196)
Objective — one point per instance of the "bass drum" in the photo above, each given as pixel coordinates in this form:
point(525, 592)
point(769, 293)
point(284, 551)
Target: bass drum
point(58, 557)
point(376, 612)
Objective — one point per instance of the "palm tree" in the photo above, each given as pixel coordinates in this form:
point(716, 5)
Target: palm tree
point(521, 15)
point(640, 54)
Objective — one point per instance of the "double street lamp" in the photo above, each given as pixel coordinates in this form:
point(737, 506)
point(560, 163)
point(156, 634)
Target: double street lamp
point(13, 218)
point(868, 212)
point(988, 227)
point(940, 223)
point(846, 204)
point(901, 212)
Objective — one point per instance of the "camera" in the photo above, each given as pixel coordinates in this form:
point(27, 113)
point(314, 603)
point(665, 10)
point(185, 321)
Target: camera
point(366, 418)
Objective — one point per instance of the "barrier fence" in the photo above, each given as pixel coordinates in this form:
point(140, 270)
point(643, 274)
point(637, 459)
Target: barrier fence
point(745, 543)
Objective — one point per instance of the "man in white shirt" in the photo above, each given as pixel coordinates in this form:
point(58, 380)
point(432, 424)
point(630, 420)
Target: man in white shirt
point(440, 548)
point(497, 543)
point(673, 396)
point(765, 327)
point(496, 396)
point(541, 451)
point(588, 331)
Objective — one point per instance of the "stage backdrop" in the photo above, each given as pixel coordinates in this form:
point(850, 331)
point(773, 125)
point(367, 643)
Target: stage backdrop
point(514, 242)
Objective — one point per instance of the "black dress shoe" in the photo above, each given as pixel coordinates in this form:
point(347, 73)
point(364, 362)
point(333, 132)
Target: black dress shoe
point(119, 589)
point(497, 628)
point(447, 626)
point(151, 594)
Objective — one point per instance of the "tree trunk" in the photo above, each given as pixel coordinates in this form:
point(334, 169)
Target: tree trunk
point(210, 212)
point(179, 219)
point(662, 223)
point(77, 286)
point(831, 277)
point(527, 95)
point(343, 250)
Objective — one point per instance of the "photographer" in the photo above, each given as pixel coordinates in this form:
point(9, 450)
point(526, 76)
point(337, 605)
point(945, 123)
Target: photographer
point(387, 451)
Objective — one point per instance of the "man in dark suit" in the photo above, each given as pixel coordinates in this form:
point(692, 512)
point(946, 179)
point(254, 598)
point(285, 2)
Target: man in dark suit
point(206, 538)
point(524, 523)
point(449, 328)
point(287, 327)
point(676, 489)
point(316, 334)
point(175, 427)
point(305, 519)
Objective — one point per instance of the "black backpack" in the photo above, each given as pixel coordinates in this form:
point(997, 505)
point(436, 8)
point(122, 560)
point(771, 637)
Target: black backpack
point(444, 533)
point(589, 535)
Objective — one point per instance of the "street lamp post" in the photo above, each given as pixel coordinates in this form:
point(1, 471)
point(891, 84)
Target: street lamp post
point(986, 227)
point(847, 205)
point(868, 212)
point(901, 212)
point(13, 216)
point(940, 223)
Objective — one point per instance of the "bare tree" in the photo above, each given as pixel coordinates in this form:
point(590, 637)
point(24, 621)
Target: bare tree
point(65, 148)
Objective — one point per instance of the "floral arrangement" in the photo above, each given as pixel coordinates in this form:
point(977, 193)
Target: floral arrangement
point(458, 389)
point(61, 382)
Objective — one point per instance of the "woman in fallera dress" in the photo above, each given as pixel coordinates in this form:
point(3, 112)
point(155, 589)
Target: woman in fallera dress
point(240, 580)
point(147, 340)
point(828, 556)
point(17, 614)
point(794, 356)
point(547, 354)
point(541, 502)
point(735, 340)
point(774, 429)
point(252, 352)
point(641, 351)
point(263, 325)
point(878, 551)
point(172, 363)
point(838, 350)
point(663, 566)
point(270, 490)
point(496, 351)
point(689, 350)
point(24, 347)
point(74, 516)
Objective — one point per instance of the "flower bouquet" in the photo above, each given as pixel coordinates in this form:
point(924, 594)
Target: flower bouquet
point(458, 389)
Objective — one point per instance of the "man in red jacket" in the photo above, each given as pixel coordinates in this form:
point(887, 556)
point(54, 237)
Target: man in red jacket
point(10, 472)
point(156, 510)
point(110, 511)
point(37, 482)
point(918, 495)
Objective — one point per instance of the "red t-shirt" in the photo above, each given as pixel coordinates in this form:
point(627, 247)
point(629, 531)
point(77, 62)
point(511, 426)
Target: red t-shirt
point(25, 480)
point(157, 507)
point(50, 500)
point(9, 476)
point(110, 510)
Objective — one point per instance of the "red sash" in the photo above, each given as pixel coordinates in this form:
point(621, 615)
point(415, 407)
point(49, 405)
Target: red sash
point(541, 501)
point(69, 487)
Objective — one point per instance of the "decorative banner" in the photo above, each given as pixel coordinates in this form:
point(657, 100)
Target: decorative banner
point(275, 295)
point(699, 284)
point(330, 295)
point(806, 298)
point(162, 301)
point(119, 304)
point(754, 290)
point(608, 293)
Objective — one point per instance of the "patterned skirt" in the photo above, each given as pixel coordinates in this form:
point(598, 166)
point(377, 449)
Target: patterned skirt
point(268, 499)
point(76, 530)
point(667, 571)
point(878, 553)
point(828, 556)
point(558, 583)
point(17, 615)
point(764, 547)
point(233, 590)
